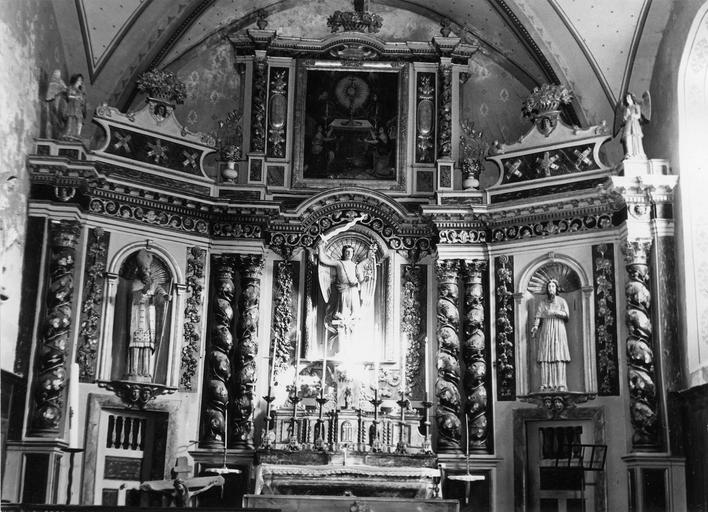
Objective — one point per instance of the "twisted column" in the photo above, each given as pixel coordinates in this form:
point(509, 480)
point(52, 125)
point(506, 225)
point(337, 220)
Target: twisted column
point(643, 404)
point(447, 385)
point(474, 354)
point(50, 363)
point(245, 360)
point(218, 358)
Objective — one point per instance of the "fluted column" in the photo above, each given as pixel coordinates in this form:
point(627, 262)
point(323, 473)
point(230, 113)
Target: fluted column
point(218, 358)
point(643, 405)
point(447, 385)
point(245, 360)
point(474, 354)
point(54, 343)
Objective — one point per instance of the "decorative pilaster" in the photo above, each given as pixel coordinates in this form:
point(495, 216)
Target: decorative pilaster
point(447, 386)
point(283, 347)
point(506, 364)
point(643, 404)
point(445, 110)
point(92, 305)
point(52, 347)
point(475, 354)
point(258, 105)
point(217, 371)
point(412, 325)
point(605, 319)
point(425, 118)
point(196, 259)
point(245, 360)
point(278, 114)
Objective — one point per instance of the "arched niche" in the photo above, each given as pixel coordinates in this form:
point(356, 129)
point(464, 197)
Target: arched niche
point(575, 289)
point(370, 330)
point(141, 333)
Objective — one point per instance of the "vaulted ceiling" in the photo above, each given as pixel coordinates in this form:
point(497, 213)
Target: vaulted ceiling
point(600, 48)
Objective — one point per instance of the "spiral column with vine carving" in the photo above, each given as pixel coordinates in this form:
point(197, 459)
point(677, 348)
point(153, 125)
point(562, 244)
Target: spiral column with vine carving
point(448, 381)
point(640, 353)
point(474, 354)
point(245, 361)
point(217, 372)
point(445, 112)
point(258, 104)
point(50, 369)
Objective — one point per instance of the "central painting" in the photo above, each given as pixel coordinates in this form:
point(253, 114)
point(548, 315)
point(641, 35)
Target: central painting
point(350, 125)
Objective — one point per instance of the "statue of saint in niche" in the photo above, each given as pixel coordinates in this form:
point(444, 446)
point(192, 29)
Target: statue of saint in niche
point(348, 284)
point(549, 331)
point(148, 301)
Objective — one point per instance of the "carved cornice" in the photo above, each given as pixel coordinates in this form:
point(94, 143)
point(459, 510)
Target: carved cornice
point(369, 46)
point(136, 394)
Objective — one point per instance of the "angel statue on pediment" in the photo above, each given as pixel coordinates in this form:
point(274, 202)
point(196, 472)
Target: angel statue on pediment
point(630, 115)
point(347, 282)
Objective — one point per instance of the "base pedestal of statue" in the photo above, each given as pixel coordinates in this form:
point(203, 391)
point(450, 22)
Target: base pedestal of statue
point(635, 167)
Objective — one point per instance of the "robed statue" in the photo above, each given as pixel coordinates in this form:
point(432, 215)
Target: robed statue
point(148, 300)
point(348, 282)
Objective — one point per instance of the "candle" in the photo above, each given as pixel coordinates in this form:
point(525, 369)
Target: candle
point(74, 407)
point(297, 363)
point(404, 347)
point(427, 368)
point(324, 369)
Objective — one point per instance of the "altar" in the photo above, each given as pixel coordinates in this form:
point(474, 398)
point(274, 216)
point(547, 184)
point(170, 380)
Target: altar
point(292, 503)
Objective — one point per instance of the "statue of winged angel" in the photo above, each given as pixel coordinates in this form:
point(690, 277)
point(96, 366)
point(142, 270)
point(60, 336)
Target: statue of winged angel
point(630, 115)
point(347, 284)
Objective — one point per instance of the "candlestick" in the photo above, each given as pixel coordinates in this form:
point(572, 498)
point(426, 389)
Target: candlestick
point(293, 443)
point(402, 447)
point(427, 445)
point(376, 442)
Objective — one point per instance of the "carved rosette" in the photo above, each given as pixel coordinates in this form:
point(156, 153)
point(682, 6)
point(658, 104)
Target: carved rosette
point(605, 319)
point(447, 386)
point(196, 259)
point(474, 354)
point(94, 277)
point(50, 366)
point(411, 323)
point(506, 365)
point(245, 377)
point(445, 112)
point(217, 372)
point(282, 344)
point(640, 354)
point(425, 118)
point(277, 112)
point(258, 105)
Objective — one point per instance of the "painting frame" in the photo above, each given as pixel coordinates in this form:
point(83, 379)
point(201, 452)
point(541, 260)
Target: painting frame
point(317, 165)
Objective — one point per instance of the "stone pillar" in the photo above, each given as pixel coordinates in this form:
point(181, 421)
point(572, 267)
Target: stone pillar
point(474, 355)
point(245, 361)
point(448, 381)
point(54, 333)
point(217, 371)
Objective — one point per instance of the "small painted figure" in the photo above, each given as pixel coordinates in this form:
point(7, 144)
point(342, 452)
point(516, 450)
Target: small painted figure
point(75, 107)
point(549, 330)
